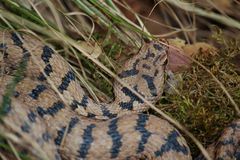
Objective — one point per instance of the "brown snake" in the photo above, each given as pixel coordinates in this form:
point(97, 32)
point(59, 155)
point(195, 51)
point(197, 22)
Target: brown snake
point(65, 123)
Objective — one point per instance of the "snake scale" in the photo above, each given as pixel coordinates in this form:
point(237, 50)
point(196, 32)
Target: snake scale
point(65, 123)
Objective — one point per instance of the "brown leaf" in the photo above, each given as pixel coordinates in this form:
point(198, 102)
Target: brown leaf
point(177, 60)
point(199, 47)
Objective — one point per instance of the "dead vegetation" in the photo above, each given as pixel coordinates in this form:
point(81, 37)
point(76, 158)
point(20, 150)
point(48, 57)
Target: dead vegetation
point(198, 102)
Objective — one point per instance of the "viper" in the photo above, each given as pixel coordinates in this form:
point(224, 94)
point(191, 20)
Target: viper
point(47, 108)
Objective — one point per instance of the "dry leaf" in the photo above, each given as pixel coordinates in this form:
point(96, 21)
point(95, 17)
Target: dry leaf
point(199, 47)
point(177, 60)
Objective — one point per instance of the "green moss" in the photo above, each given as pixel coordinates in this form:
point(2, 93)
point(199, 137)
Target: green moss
point(202, 105)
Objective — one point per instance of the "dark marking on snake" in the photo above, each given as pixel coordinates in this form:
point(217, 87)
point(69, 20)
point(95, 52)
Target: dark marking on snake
point(41, 77)
point(57, 106)
point(157, 59)
point(3, 49)
point(172, 144)
point(156, 73)
point(66, 80)
point(16, 39)
point(84, 102)
point(37, 91)
point(60, 134)
point(226, 142)
point(150, 84)
point(132, 96)
point(116, 138)
point(26, 54)
point(107, 113)
point(41, 111)
point(74, 104)
point(127, 105)
point(87, 141)
point(16, 94)
point(234, 126)
point(131, 72)
point(73, 122)
point(158, 47)
point(149, 55)
point(90, 115)
point(25, 127)
point(32, 116)
point(47, 54)
point(146, 66)
point(145, 134)
point(48, 69)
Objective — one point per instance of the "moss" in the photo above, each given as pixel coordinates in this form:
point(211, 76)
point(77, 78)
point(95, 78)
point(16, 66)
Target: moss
point(202, 106)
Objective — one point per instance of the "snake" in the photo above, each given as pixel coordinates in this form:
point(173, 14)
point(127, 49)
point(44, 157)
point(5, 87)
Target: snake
point(55, 118)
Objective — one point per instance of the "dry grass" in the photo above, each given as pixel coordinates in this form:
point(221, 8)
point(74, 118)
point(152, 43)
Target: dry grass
point(202, 106)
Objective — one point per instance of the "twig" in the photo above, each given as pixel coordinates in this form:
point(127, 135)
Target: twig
point(217, 17)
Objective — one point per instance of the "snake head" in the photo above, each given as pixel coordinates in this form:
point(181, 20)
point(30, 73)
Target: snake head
point(151, 67)
point(144, 73)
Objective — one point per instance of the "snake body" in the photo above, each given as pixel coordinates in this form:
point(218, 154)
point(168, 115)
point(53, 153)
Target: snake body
point(53, 115)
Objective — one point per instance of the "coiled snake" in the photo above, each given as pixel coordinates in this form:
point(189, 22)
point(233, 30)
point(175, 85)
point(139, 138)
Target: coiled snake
point(65, 123)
